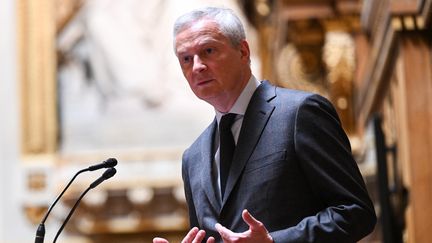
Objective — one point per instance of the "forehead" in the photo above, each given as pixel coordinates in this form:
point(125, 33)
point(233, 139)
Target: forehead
point(198, 33)
point(203, 24)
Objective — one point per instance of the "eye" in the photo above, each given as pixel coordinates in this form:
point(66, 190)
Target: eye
point(186, 59)
point(209, 50)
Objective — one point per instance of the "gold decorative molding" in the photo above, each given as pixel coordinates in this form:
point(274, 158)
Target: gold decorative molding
point(296, 54)
point(37, 74)
point(340, 61)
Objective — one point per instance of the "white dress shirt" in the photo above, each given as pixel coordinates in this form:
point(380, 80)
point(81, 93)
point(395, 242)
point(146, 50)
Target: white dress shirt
point(239, 108)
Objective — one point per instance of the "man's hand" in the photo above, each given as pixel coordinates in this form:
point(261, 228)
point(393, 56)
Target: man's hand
point(257, 232)
point(193, 236)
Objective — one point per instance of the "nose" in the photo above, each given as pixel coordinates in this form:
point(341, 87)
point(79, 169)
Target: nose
point(198, 64)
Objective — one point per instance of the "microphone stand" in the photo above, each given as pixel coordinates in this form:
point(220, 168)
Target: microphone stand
point(71, 212)
point(40, 233)
point(110, 172)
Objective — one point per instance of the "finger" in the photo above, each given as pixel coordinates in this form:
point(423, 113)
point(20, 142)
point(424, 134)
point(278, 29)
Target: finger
point(199, 236)
point(211, 240)
point(253, 223)
point(190, 235)
point(160, 240)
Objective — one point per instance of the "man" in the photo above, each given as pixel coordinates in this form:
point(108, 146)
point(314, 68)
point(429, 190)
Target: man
point(292, 177)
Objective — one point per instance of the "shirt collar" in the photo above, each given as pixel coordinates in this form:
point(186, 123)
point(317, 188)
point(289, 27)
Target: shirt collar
point(242, 101)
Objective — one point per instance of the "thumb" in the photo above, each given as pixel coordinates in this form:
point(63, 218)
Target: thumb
point(254, 224)
point(223, 231)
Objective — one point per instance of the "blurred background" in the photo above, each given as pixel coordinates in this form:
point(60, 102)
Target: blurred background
point(86, 80)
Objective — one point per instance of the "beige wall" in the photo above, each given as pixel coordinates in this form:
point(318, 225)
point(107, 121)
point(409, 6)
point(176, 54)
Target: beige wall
point(13, 225)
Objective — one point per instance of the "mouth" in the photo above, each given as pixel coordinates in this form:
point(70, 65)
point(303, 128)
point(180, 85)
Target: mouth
point(204, 82)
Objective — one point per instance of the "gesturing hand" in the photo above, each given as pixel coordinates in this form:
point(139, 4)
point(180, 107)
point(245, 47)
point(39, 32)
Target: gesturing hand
point(193, 236)
point(257, 232)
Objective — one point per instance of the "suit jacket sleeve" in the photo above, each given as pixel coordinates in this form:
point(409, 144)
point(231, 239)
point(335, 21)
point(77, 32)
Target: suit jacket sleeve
point(193, 221)
point(324, 154)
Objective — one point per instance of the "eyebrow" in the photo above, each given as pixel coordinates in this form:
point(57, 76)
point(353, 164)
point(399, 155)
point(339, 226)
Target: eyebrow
point(200, 45)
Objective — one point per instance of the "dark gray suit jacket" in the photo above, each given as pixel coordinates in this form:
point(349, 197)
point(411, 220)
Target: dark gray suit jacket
point(292, 169)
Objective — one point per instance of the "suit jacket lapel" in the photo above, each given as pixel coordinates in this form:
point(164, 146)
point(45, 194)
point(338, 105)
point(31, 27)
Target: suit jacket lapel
point(207, 180)
point(257, 114)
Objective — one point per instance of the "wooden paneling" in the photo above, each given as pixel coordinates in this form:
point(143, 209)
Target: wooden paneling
point(415, 55)
point(400, 60)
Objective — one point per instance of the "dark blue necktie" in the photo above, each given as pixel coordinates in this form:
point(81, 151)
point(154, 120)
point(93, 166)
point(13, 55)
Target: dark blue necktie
point(226, 148)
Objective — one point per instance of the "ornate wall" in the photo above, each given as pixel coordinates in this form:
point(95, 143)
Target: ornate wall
point(87, 76)
point(370, 58)
point(396, 83)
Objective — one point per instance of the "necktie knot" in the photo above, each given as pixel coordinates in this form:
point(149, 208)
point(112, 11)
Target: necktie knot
point(226, 121)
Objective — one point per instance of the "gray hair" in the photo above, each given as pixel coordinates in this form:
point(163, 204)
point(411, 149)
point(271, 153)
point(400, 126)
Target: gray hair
point(228, 22)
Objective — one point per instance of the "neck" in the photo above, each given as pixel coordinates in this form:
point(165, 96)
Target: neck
point(225, 107)
point(224, 104)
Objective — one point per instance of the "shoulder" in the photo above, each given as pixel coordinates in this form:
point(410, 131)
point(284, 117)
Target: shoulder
point(292, 96)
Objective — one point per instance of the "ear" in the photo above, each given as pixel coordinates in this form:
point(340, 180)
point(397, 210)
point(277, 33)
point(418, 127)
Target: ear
point(244, 50)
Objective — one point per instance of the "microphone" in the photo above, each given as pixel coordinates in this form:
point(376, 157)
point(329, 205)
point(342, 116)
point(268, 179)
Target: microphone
point(110, 172)
point(109, 163)
point(105, 176)
point(40, 233)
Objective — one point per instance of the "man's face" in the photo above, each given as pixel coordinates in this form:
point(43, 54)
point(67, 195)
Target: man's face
point(215, 70)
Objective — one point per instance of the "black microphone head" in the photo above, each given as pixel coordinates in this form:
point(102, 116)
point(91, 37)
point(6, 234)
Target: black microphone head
point(110, 172)
point(111, 162)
